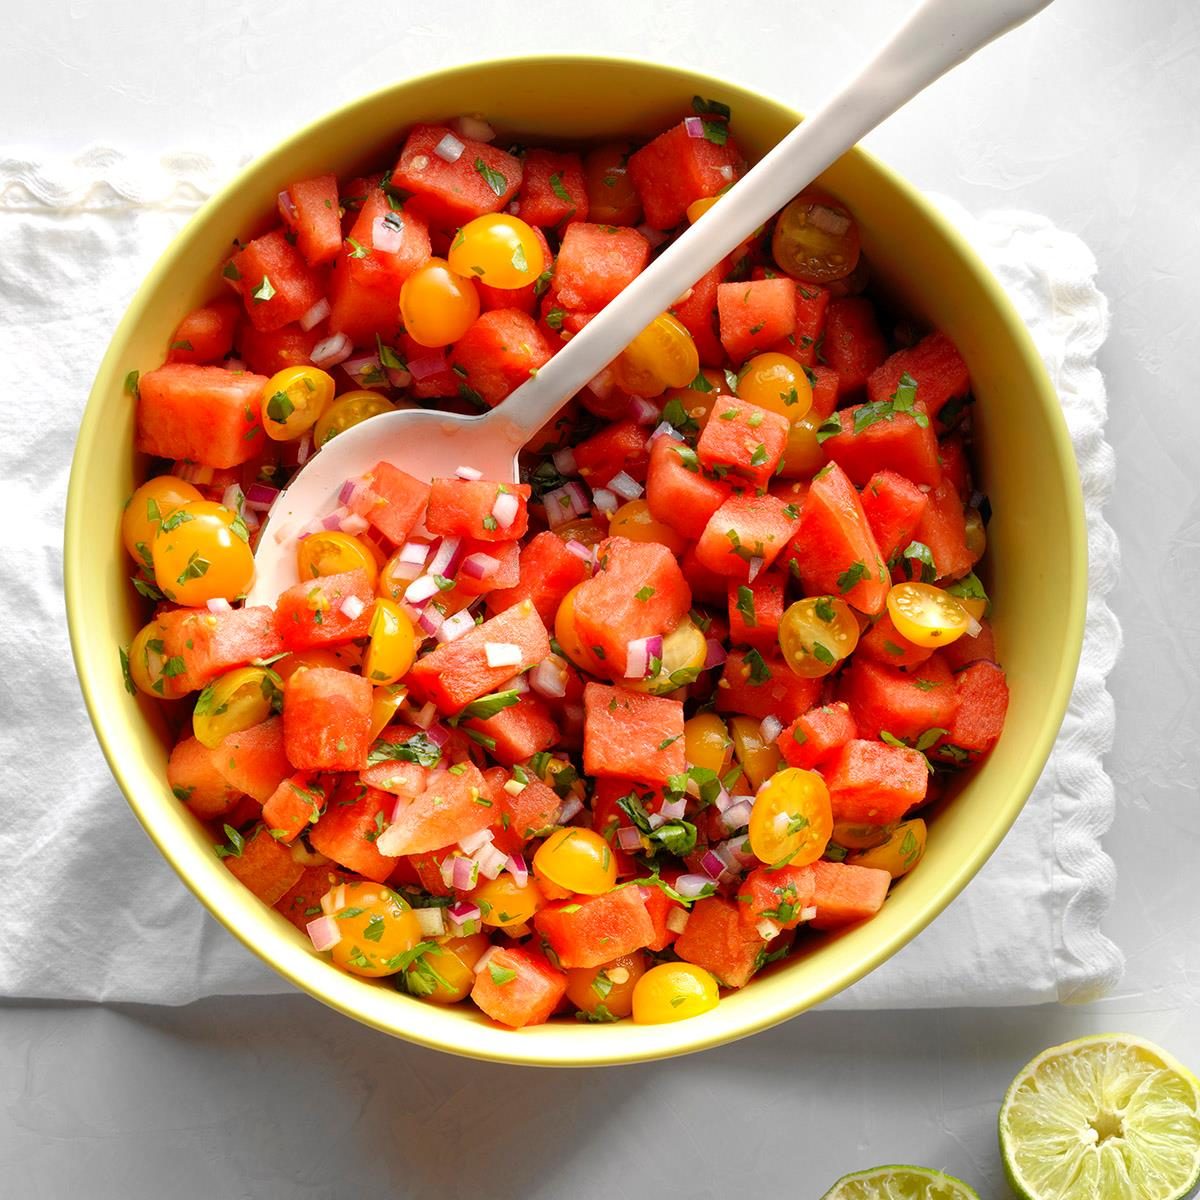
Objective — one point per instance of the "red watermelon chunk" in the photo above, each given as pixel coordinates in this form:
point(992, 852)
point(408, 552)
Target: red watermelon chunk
point(590, 930)
point(755, 611)
point(678, 493)
point(294, 805)
point(904, 704)
point(982, 694)
point(206, 334)
point(277, 285)
point(853, 344)
point(464, 508)
point(716, 939)
point(193, 777)
point(763, 685)
point(813, 736)
point(311, 613)
point(595, 262)
point(455, 804)
point(327, 719)
point(844, 893)
point(212, 643)
point(743, 439)
point(518, 988)
point(351, 824)
point(675, 169)
point(548, 571)
point(755, 315)
point(518, 732)
point(552, 190)
point(893, 506)
point(392, 500)
point(379, 221)
point(745, 529)
point(936, 366)
point(315, 218)
point(254, 760)
point(872, 783)
point(265, 866)
point(502, 350)
point(632, 734)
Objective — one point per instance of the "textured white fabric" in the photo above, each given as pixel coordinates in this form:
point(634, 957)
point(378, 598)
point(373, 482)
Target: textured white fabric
point(92, 912)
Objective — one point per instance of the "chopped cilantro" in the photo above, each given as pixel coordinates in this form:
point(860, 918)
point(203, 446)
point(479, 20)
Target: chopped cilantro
point(493, 178)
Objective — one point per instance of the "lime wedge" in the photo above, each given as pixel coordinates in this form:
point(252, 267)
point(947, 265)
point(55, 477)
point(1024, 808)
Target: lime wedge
point(1102, 1118)
point(900, 1183)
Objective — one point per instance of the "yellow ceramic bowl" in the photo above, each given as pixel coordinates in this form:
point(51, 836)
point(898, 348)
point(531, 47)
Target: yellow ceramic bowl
point(1036, 559)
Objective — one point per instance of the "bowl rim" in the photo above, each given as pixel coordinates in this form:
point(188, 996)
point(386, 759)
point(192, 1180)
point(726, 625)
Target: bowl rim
point(592, 1050)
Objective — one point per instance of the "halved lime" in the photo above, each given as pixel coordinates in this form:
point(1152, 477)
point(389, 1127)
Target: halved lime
point(1111, 1117)
point(900, 1183)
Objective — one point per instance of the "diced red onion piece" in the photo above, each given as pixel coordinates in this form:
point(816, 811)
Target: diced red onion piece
point(427, 716)
point(334, 900)
point(366, 370)
point(712, 865)
point(666, 429)
point(398, 377)
point(629, 838)
point(734, 853)
point(491, 861)
point(723, 800)
point(605, 501)
point(505, 509)
point(694, 127)
point(601, 386)
point(737, 816)
point(518, 869)
point(520, 685)
point(564, 461)
point(756, 565)
point(453, 627)
point(483, 960)
point(304, 449)
point(431, 921)
point(502, 654)
point(656, 820)
point(692, 886)
point(315, 315)
point(463, 910)
point(639, 652)
point(475, 128)
point(430, 621)
point(427, 365)
point(323, 932)
point(473, 841)
point(287, 207)
point(768, 930)
point(351, 608)
point(571, 808)
point(333, 350)
point(715, 656)
point(770, 728)
point(578, 549)
point(643, 412)
point(449, 149)
point(974, 628)
point(465, 874)
point(413, 552)
point(219, 605)
point(387, 235)
point(352, 523)
point(438, 734)
point(677, 920)
point(673, 810)
point(260, 497)
point(625, 486)
point(549, 677)
point(808, 912)
point(233, 497)
point(514, 787)
point(468, 473)
point(727, 172)
point(828, 220)
point(445, 557)
point(421, 590)
point(334, 519)
point(402, 572)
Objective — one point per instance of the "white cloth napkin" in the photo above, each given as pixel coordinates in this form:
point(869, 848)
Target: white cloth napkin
point(92, 912)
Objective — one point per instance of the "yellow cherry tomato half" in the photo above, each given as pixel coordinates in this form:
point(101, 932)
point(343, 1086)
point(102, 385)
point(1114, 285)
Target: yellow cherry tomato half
point(778, 383)
point(854, 836)
point(445, 973)
point(146, 510)
point(816, 239)
point(351, 408)
point(975, 532)
point(792, 819)
point(202, 552)
point(662, 356)
point(238, 700)
point(758, 758)
point(707, 743)
point(904, 848)
point(393, 645)
point(673, 992)
point(926, 615)
point(566, 633)
point(330, 552)
point(437, 304)
point(698, 208)
point(634, 521)
point(378, 929)
point(385, 703)
point(502, 903)
point(684, 650)
point(605, 993)
point(576, 859)
point(293, 400)
point(499, 249)
point(802, 455)
point(146, 661)
point(816, 634)
point(586, 530)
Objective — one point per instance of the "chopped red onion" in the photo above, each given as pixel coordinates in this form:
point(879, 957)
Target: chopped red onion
point(723, 800)
point(218, 605)
point(304, 449)
point(428, 364)
point(468, 473)
point(398, 377)
point(366, 370)
point(549, 677)
point(694, 127)
point(260, 497)
point(413, 552)
point(421, 590)
point(735, 853)
point(430, 621)
point(828, 220)
point(333, 350)
point(520, 685)
point(351, 608)
point(643, 412)
point(768, 930)
point(639, 652)
point(808, 912)
point(756, 565)
point(387, 233)
point(770, 728)
point(666, 429)
point(438, 734)
point(449, 149)
point(716, 654)
point(974, 628)
point(315, 315)
point(334, 900)
point(727, 172)
point(505, 509)
point(625, 486)
point(402, 572)
point(692, 886)
point(233, 497)
point(677, 920)
point(455, 626)
point(482, 961)
point(601, 386)
point(235, 364)
point(737, 816)
point(427, 715)
point(673, 810)
point(473, 841)
point(514, 787)
point(323, 932)
point(466, 874)
point(571, 808)
point(605, 501)
point(578, 549)
point(445, 557)
point(473, 127)
point(430, 921)
point(564, 461)
point(712, 865)
point(352, 523)
point(287, 207)
point(629, 838)
point(502, 654)
point(565, 504)
point(463, 910)
point(656, 820)
point(491, 861)
point(518, 869)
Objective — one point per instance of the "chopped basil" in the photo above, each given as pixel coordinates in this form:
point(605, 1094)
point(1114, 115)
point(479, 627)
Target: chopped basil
point(759, 456)
point(828, 428)
point(280, 407)
point(643, 594)
point(489, 706)
point(823, 654)
point(745, 605)
point(481, 739)
point(919, 552)
point(357, 249)
point(557, 187)
point(554, 318)
point(230, 271)
point(493, 178)
point(416, 749)
point(131, 384)
point(825, 610)
point(760, 673)
point(501, 975)
point(236, 844)
point(126, 676)
point(849, 577)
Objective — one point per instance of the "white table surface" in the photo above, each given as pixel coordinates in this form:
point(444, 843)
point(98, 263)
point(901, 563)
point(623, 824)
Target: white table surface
point(1089, 115)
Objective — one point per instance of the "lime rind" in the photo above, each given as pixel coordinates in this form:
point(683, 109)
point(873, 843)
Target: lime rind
point(898, 1182)
point(1110, 1116)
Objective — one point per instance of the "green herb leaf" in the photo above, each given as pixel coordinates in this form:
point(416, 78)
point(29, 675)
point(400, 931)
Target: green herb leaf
point(501, 975)
point(848, 578)
point(759, 671)
point(131, 384)
point(494, 179)
point(745, 605)
point(489, 706)
point(280, 407)
point(828, 428)
point(416, 749)
point(235, 846)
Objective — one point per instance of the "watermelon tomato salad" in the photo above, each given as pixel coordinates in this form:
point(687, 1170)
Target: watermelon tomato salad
point(605, 742)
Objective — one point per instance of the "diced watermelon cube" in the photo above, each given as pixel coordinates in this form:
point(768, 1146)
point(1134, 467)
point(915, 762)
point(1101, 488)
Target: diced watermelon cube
point(454, 805)
point(254, 760)
point(317, 222)
point(755, 315)
point(966, 650)
point(698, 315)
point(464, 508)
point(363, 311)
point(883, 643)
point(743, 529)
point(715, 939)
point(632, 734)
point(675, 169)
point(378, 220)
point(871, 783)
point(501, 350)
point(206, 334)
point(678, 493)
point(212, 643)
point(744, 439)
point(548, 571)
point(392, 500)
point(904, 704)
point(277, 285)
point(595, 262)
point(943, 529)
point(517, 732)
point(310, 613)
point(294, 805)
point(853, 345)
point(893, 506)
point(982, 694)
point(813, 736)
point(327, 719)
point(755, 611)
point(935, 364)
point(899, 442)
point(348, 829)
point(812, 303)
point(552, 191)
point(193, 777)
point(518, 988)
point(763, 685)
point(590, 930)
point(265, 866)
point(779, 895)
point(266, 351)
point(844, 893)
point(621, 446)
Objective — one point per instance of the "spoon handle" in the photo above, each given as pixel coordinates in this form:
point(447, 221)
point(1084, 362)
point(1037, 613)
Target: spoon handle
point(939, 35)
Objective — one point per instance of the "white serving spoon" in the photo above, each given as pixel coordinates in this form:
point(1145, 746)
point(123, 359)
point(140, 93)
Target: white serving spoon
point(939, 35)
